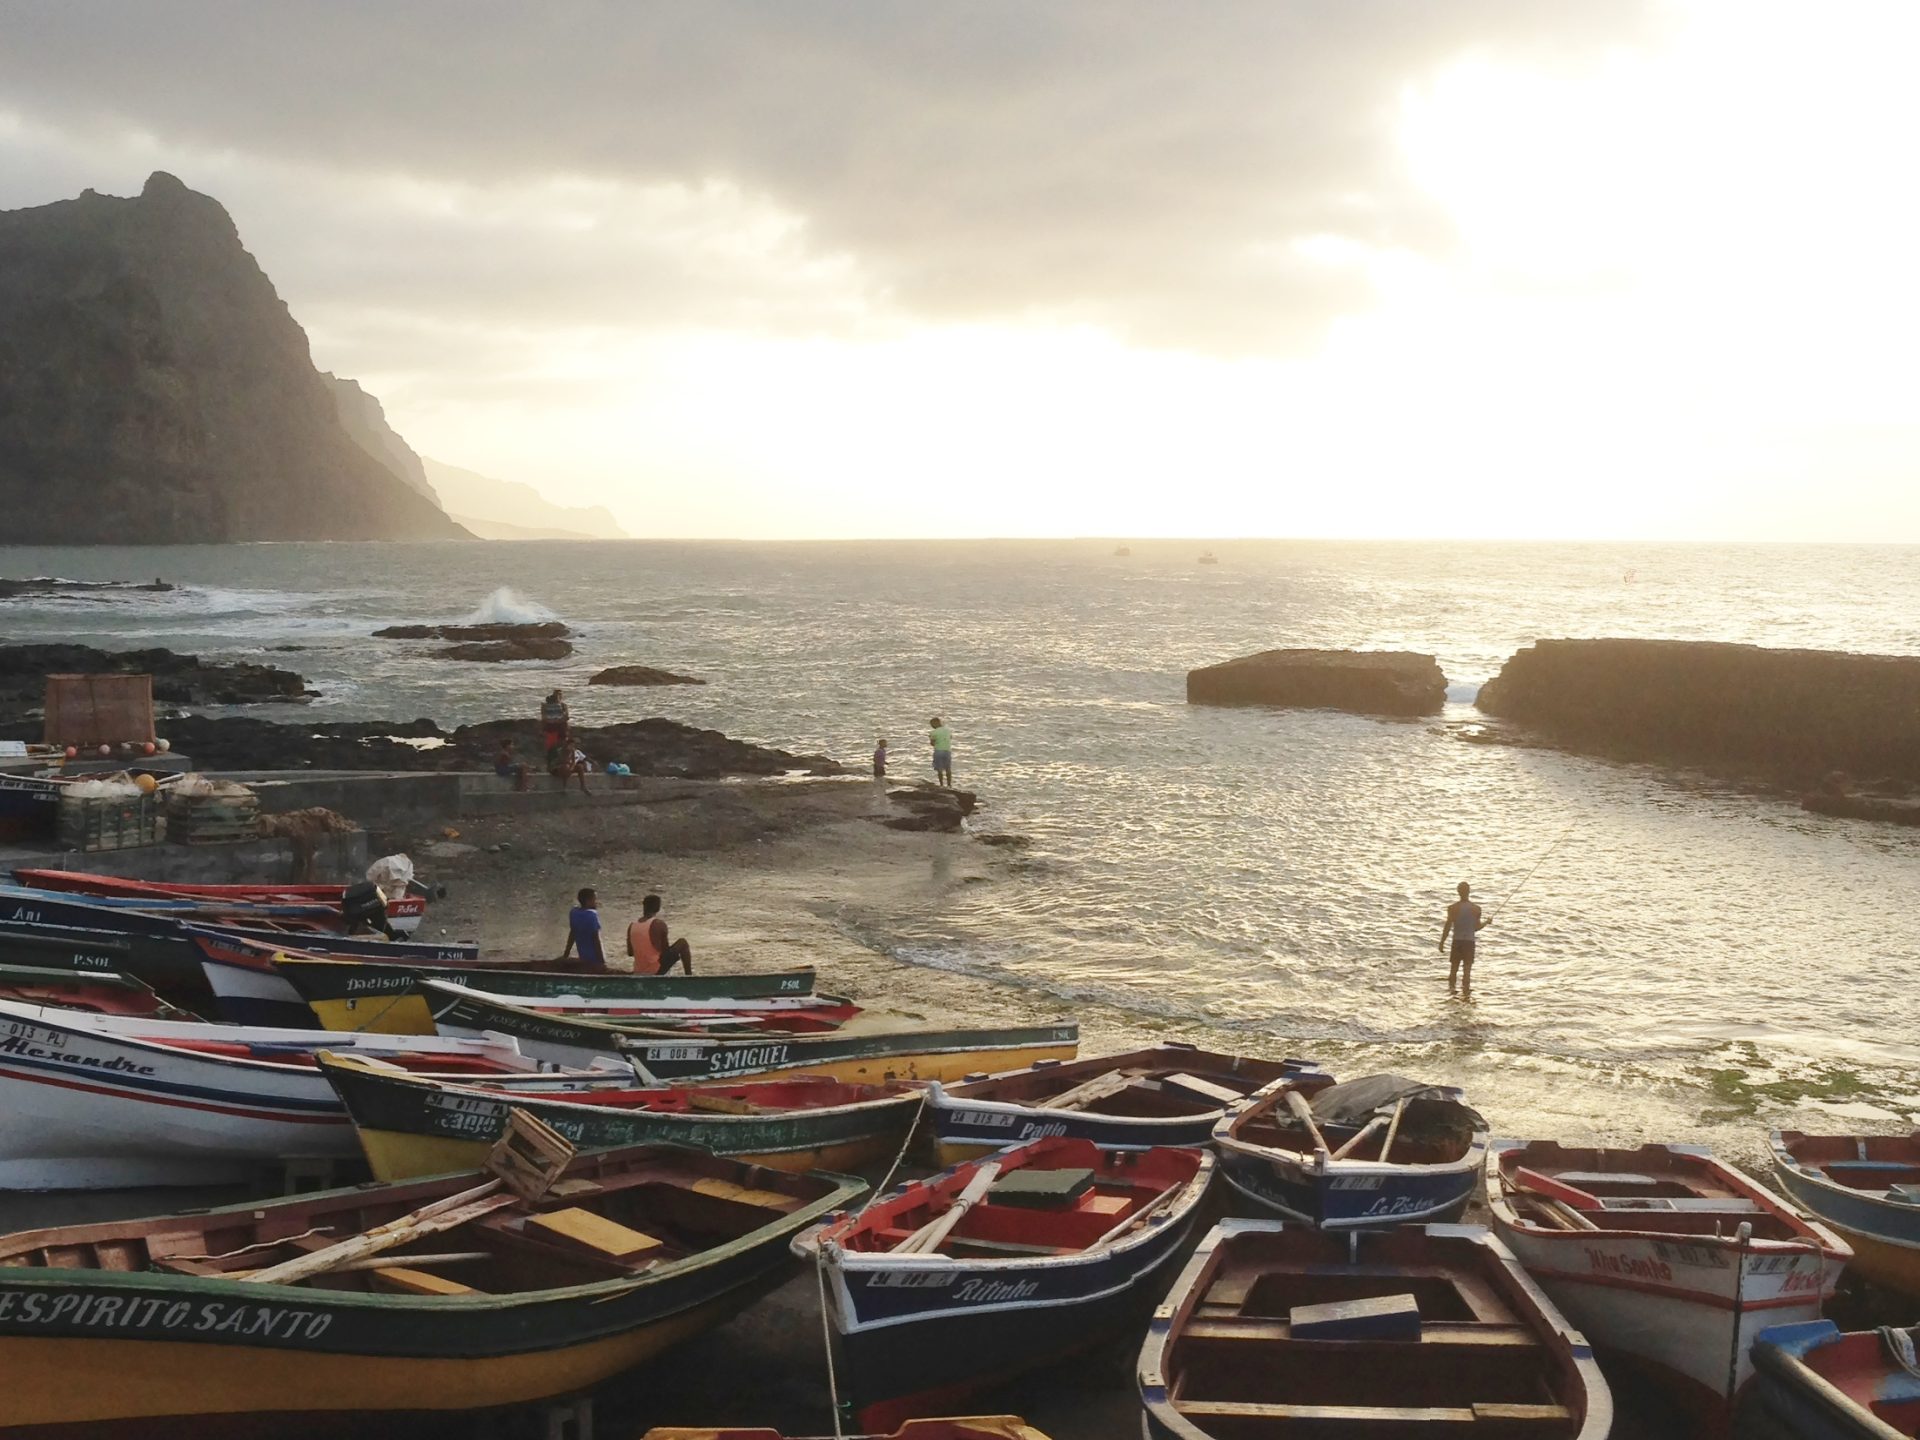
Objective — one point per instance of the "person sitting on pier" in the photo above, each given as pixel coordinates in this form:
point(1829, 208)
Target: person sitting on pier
point(583, 930)
point(647, 943)
point(507, 767)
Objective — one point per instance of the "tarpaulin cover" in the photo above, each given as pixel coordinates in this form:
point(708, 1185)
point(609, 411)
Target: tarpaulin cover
point(1354, 1102)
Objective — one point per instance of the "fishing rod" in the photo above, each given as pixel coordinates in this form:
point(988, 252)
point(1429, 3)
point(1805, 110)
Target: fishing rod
point(1561, 837)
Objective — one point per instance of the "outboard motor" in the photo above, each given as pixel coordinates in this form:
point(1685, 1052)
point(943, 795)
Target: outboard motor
point(364, 908)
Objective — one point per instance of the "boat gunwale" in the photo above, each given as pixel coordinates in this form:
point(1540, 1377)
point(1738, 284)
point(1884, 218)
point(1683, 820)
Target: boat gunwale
point(1307, 1162)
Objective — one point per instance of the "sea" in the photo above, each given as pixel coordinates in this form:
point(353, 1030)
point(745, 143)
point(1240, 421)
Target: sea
point(1276, 875)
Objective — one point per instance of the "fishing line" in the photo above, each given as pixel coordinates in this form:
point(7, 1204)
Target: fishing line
point(1495, 910)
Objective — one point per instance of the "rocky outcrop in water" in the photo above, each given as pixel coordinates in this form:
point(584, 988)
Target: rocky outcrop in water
point(43, 586)
point(496, 650)
point(1790, 714)
point(651, 747)
point(1367, 682)
point(177, 679)
point(497, 630)
point(926, 806)
point(642, 675)
point(155, 389)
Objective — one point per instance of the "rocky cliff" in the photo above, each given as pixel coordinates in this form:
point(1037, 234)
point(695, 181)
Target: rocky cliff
point(365, 419)
point(1792, 714)
point(154, 388)
point(508, 510)
point(1369, 682)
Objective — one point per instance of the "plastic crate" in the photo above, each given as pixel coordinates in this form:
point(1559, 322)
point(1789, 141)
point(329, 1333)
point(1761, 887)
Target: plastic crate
point(110, 822)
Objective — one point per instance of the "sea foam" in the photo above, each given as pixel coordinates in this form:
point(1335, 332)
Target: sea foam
point(507, 606)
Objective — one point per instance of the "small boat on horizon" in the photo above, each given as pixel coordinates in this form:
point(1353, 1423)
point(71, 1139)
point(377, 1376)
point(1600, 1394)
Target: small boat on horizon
point(1811, 1381)
point(1378, 1151)
point(1867, 1188)
point(1276, 1332)
point(1169, 1094)
point(1123, 551)
point(487, 1300)
point(1665, 1256)
point(999, 1266)
point(411, 1125)
point(1207, 557)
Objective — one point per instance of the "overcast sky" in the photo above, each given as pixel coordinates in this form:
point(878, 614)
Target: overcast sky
point(1353, 267)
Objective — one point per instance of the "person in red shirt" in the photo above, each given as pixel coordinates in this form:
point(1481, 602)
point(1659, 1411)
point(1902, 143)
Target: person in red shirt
point(647, 943)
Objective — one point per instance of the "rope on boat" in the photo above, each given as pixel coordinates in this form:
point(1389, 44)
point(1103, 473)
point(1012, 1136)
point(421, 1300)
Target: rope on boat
point(894, 1169)
point(1899, 1344)
point(826, 1338)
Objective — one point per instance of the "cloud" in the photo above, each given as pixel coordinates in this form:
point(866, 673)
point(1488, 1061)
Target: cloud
point(1179, 176)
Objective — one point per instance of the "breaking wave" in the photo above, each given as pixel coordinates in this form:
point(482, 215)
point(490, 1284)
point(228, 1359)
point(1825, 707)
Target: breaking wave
point(507, 606)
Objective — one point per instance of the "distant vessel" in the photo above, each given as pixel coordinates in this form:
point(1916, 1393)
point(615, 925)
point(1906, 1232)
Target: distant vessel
point(1123, 550)
point(1207, 557)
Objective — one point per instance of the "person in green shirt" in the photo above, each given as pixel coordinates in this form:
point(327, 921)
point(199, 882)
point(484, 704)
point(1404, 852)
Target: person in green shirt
point(942, 742)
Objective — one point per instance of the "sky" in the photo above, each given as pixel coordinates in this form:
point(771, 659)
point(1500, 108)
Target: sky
point(1596, 269)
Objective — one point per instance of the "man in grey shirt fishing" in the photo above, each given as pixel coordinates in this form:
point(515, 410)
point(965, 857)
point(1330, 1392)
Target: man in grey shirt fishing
point(1464, 924)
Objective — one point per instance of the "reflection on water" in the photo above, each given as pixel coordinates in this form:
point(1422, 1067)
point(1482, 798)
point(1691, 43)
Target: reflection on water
point(1270, 871)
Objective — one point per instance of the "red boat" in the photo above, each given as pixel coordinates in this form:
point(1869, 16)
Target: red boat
point(403, 913)
point(92, 991)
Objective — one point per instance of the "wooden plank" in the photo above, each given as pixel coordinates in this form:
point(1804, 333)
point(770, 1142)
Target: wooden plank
point(1361, 1414)
point(529, 1155)
point(1378, 1317)
point(1114, 1205)
point(1533, 1413)
point(1434, 1335)
point(399, 1280)
point(1525, 1179)
point(1085, 1093)
point(745, 1195)
point(1201, 1089)
point(584, 1230)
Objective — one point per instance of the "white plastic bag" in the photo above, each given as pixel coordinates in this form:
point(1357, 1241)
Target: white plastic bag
point(392, 873)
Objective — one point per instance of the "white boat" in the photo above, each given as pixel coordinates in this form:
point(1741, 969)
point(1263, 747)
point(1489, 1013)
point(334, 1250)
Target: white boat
point(101, 1101)
point(1664, 1256)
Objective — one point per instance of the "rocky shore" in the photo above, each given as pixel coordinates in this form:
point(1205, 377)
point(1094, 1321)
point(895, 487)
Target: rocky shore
point(177, 679)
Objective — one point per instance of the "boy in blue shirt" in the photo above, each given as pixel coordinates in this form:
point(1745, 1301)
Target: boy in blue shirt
point(583, 930)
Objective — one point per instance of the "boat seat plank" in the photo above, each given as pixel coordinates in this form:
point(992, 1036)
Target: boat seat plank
point(1703, 1204)
point(1199, 1089)
point(1534, 1414)
point(742, 1194)
point(1871, 1166)
point(399, 1280)
point(1088, 1091)
point(1586, 1178)
point(1376, 1415)
point(1438, 1335)
point(1001, 1247)
point(584, 1230)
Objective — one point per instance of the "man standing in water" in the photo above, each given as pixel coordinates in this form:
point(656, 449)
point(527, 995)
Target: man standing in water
point(942, 742)
point(1464, 923)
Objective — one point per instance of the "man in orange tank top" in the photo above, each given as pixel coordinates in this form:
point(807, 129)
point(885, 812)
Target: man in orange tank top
point(647, 943)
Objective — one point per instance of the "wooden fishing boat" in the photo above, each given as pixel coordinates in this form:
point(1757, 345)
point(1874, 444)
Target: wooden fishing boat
point(414, 1125)
point(102, 1101)
point(999, 1266)
point(94, 992)
point(29, 804)
point(65, 948)
point(1813, 1382)
point(1664, 1256)
point(1378, 1151)
point(292, 915)
point(973, 1427)
point(1287, 1333)
point(160, 948)
point(793, 1015)
point(375, 995)
point(404, 912)
point(1867, 1189)
point(872, 1049)
point(1171, 1094)
point(110, 1328)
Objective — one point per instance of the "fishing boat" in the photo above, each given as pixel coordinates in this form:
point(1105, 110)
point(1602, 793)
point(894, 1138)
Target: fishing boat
point(1207, 557)
point(1811, 1381)
point(1381, 1150)
point(65, 948)
point(1171, 1094)
point(29, 805)
point(1664, 1256)
point(110, 1328)
point(381, 996)
point(291, 915)
point(94, 992)
point(103, 1101)
point(1284, 1333)
point(1867, 1189)
point(416, 1125)
point(872, 1049)
point(972, 1427)
point(404, 912)
point(999, 1266)
point(159, 948)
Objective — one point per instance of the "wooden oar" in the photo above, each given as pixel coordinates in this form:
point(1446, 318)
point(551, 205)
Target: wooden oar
point(1304, 1113)
point(1399, 1109)
point(446, 1214)
point(1353, 1141)
point(927, 1239)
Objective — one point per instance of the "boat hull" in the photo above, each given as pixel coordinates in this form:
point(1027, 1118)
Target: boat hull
point(1885, 1236)
point(1277, 1184)
point(410, 1128)
point(865, 1056)
point(1790, 1399)
point(384, 999)
point(98, 1349)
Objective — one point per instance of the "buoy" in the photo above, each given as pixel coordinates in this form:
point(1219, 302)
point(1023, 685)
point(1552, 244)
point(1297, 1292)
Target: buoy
point(145, 784)
point(106, 751)
point(147, 749)
point(72, 754)
point(163, 746)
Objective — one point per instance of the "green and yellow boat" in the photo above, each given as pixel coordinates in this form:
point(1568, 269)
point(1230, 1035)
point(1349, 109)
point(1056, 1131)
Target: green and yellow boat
point(380, 997)
point(871, 1049)
point(408, 1127)
point(110, 1329)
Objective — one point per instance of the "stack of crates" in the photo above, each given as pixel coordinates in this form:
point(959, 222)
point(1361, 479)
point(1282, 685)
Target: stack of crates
point(110, 822)
point(218, 819)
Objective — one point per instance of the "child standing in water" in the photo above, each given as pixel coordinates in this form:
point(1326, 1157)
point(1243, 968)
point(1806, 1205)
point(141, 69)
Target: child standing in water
point(880, 758)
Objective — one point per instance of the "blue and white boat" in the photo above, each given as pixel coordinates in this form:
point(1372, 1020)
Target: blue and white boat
point(1812, 1381)
point(1381, 1150)
point(1866, 1187)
